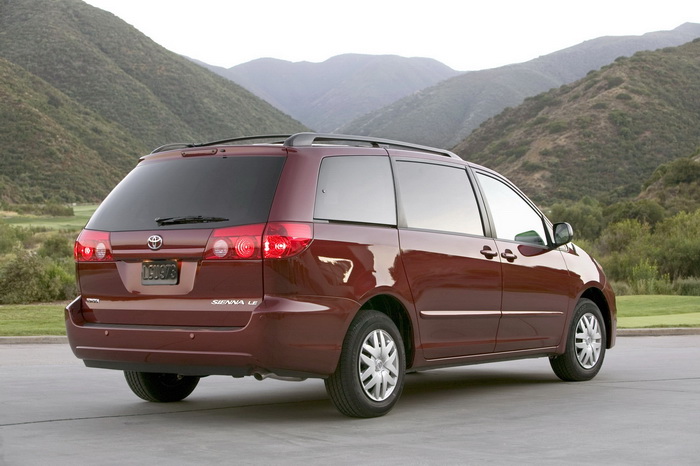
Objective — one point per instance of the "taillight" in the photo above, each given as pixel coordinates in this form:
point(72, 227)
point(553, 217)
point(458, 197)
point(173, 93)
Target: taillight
point(92, 246)
point(274, 241)
point(235, 243)
point(283, 240)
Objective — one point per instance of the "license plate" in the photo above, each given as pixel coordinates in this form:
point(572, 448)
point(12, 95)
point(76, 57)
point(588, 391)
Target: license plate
point(159, 273)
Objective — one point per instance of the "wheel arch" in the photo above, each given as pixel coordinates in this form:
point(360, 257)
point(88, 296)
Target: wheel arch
point(396, 311)
point(597, 296)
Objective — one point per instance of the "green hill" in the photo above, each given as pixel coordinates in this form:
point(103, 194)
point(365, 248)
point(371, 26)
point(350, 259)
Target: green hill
point(675, 185)
point(54, 148)
point(116, 79)
point(602, 136)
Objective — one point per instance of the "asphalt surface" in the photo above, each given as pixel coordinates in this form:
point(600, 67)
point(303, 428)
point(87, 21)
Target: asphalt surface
point(643, 408)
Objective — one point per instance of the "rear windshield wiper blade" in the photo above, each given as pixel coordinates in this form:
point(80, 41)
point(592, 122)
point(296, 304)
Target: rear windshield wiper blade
point(161, 221)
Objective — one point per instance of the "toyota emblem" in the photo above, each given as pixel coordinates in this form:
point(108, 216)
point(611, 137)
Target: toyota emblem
point(155, 242)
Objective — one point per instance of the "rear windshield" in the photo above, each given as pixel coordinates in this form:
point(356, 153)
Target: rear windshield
point(223, 191)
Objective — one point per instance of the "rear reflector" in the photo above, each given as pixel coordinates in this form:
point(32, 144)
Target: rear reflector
point(92, 246)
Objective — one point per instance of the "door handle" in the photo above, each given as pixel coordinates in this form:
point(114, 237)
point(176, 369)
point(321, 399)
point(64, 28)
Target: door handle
point(488, 252)
point(508, 255)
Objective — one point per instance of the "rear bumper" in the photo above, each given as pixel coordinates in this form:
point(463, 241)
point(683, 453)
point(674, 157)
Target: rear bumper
point(284, 336)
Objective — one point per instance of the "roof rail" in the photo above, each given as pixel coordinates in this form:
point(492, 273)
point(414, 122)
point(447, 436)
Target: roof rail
point(308, 139)
point(174, 145)
point(184, 145)
point(245, 138)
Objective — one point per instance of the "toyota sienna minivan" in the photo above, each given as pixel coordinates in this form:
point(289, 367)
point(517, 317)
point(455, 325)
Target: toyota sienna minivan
point(346, 258)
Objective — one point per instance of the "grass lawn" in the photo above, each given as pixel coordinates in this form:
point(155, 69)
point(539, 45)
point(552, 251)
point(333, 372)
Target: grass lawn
point(658, 311)
point(633, 312)
point(82, 214)
point(32, 319)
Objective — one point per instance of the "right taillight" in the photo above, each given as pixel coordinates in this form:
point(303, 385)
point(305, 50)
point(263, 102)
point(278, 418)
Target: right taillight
point(92, 246)
point(235, 243)
point(276, 240)
point(283, 239)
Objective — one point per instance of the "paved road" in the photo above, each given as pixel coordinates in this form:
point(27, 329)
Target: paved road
point(643, 408)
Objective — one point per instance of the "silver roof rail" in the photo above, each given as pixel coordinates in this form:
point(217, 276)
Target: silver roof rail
point(308, 139)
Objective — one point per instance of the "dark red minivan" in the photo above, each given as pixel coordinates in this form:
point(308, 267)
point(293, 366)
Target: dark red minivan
point(345, 258)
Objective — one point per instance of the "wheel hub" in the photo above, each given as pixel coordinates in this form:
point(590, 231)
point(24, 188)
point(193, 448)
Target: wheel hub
point(588, 341)
point(378, 365)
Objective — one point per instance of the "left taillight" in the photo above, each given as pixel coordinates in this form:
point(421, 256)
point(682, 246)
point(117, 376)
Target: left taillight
point(93, 246)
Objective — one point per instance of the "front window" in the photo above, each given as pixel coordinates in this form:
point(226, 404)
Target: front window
point(513, 217)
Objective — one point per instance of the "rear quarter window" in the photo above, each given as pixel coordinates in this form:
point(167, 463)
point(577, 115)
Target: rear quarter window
point(356, 189)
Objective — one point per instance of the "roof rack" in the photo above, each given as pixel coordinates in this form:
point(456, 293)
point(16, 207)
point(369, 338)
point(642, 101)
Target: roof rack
point(185, 145)
point(174, 145)
point(308, 139)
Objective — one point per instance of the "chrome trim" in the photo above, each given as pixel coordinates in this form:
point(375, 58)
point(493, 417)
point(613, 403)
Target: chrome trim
point(533, 313)
point(459, 313)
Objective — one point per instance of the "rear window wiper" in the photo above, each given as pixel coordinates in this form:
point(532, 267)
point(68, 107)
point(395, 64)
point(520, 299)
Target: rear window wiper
point(161, 221)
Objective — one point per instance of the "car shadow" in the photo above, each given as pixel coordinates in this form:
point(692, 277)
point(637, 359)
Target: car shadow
point(307, 401)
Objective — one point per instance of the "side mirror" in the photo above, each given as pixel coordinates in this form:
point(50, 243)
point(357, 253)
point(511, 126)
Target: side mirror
point(563, 234)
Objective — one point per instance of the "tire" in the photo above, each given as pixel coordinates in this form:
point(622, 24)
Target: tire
point(585, 345)
point(163, 388)
point(370, 374)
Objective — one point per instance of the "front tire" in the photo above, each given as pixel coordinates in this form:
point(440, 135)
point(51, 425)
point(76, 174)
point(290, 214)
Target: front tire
point(163, 388)
point(585, 345)
point(370, 374)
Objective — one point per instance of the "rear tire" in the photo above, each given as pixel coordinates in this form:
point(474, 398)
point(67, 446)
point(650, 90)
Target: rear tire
point(163, 388)
point(585, 345)
point(370, 374)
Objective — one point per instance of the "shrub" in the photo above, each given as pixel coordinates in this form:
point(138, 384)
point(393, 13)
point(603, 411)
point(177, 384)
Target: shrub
point(56, 246)
point(621, 288)
point(29, 278)
point(687, 286)
point(8, 238)
point(675, 246)
point(646, 279)
point(585, 216)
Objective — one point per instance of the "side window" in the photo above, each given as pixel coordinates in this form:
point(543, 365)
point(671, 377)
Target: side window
point(438, 197)
point(356, 189)
point(514, 219)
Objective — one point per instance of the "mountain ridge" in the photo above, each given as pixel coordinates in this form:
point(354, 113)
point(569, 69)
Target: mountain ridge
point(445, 114)
point(325, 95)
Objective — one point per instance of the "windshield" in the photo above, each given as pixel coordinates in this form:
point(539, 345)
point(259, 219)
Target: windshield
point(202, 192)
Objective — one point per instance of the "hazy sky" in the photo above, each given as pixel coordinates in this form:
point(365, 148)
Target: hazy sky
point(463, 34)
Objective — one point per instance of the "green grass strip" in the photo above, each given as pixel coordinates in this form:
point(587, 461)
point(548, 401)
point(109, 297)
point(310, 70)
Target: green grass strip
point(656, 305)
point(672, 320)
point(32, 319)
